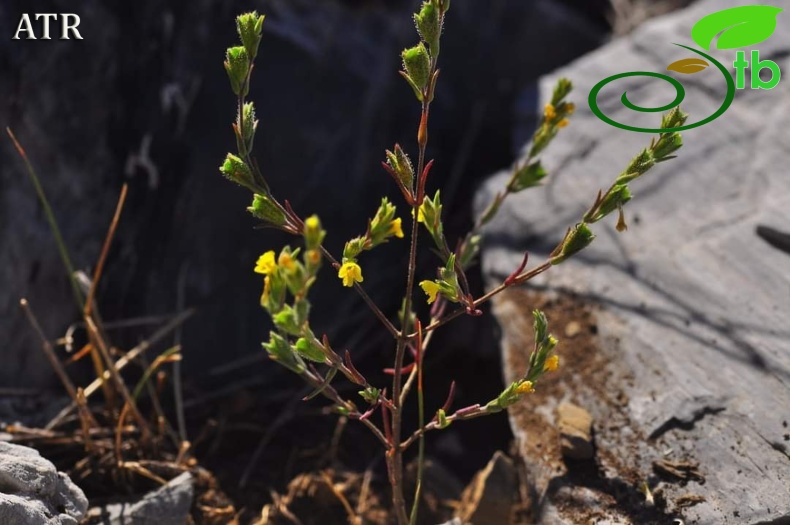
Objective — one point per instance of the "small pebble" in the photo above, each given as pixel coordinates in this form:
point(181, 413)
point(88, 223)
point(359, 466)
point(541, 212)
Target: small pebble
point(572, 329)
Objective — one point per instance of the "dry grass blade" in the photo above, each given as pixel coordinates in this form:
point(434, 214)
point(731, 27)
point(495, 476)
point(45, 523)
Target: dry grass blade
point(137, 468)
point(353, 519)
point(125, 360)
point(168, 356)
point(88, 311)
point(93, 332)
point(53, 223)
point(86, 419)
point(105, 250)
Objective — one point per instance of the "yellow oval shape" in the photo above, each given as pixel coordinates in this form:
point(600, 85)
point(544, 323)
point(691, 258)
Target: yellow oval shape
point(688, 66)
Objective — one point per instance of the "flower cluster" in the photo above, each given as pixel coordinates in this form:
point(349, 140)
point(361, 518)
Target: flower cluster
point(285, 275)
point(541, 360)
point(446, 285)
point(382, 227)
point(555, 117)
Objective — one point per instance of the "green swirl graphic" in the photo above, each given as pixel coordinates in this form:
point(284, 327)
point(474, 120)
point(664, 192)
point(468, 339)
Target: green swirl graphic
point(681, 94)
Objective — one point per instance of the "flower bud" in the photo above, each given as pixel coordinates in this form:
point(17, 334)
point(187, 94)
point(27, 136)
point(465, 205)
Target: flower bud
point(429, 24)
point(577, 239)
point(674, 119)
point(638, 166)
point(614, 199)
point(527, 177)
point(249, 27)
point(313, 233)
point(667, 145)
point(417, 65)
point(280, 350)
point(370, 394)
point(401, 165)
point(264, 208)
point(237, 64)
point(248, 124)
point(236, 170)
point(309, 350)
point(287, 321)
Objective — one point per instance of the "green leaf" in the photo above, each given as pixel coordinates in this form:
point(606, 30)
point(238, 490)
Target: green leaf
point(742, 26)
point(528, 176)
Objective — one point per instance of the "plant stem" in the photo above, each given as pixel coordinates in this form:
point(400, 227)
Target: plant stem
point(526, 276)
point(396, 462)
point(394, 332)
point(318, 382)
point(421, 424)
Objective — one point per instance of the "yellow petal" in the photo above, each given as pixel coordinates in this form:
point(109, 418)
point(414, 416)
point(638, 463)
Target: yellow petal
point(396, 228)
point(525, 387)
point(431, 289)
point(265, 263)
point(350, 272)
point(551, 364)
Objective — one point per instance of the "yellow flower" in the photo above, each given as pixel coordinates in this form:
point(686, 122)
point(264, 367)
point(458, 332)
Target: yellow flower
point(420, 214)
point(312, 223)
point(549, 112)
point(350, 272)
point(286, 261)
point(570, 107)
point(525, 387)
point(395, 229)
point(266, 290)
point(563, 123)
point(266, 264)
point(431, 289)
point(551, 364)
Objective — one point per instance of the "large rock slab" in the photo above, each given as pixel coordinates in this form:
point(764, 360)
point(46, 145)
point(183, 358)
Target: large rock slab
point(691, 387)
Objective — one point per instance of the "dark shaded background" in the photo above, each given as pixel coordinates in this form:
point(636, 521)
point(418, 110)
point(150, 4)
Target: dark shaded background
point(147, 82)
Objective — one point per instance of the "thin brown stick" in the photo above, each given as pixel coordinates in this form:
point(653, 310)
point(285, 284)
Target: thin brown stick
point(116, 377)
point(88, 308)
point(352, 517)
point(48, 350)
point(125, 360)
point(86, 421)
point(362, 501)
point(105, 250)
point(526, 276)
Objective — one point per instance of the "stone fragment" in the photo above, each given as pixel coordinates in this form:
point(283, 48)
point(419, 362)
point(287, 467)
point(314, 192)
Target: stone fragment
point(32, 491)
point(575, 426)
point(490, 495)
point(167, 505)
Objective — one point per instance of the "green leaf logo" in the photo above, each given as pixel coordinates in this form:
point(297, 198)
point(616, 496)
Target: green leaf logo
point(739, 26)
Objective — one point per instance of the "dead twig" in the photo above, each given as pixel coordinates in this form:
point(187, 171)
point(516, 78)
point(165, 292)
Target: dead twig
point(125, 360)
point(353, 519)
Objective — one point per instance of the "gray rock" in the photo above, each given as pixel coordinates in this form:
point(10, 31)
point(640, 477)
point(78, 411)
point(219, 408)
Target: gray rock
point(167, 505)
point(33, 491)
point(693, 304)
